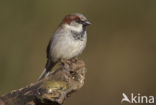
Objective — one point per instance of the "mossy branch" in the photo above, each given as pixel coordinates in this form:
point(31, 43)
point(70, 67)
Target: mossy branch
point(52, 90)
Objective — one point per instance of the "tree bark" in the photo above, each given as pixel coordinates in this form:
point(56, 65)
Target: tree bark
point(51, 90)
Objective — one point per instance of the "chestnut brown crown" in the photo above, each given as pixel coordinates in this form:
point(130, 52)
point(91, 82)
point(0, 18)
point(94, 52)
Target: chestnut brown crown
point(76, 17)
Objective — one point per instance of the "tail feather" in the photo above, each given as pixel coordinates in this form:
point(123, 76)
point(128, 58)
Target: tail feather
point(47, 69)
point(44, 74)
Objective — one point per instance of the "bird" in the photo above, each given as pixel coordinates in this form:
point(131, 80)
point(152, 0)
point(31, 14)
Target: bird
point(68, 41)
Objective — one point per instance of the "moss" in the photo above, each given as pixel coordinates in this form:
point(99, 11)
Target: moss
point(54, 85)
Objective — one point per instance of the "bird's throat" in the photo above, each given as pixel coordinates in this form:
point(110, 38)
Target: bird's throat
point(78, 35)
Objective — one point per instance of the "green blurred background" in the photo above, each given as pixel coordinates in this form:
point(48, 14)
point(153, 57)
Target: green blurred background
point(120, 55)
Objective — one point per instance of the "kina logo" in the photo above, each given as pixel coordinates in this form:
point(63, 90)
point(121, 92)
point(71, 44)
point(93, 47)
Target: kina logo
point(132, 98)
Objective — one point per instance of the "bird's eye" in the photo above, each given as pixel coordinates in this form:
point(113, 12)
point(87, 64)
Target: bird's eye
point(78, 21)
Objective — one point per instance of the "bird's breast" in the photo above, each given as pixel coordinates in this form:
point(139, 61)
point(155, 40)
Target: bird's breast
point(65, 46)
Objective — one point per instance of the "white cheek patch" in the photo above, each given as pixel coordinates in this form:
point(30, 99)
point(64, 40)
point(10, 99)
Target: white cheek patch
point(77, 28)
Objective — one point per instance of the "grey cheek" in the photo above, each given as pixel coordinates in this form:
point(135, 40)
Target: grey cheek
point(75, 24)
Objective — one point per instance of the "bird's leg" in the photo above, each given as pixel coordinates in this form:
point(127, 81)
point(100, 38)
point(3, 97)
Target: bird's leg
point(64, 61)
point(74, 59)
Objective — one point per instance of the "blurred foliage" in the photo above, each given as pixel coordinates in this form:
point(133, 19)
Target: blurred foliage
point(120, 53)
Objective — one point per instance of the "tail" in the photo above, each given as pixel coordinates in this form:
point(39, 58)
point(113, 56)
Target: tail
point(48, 67)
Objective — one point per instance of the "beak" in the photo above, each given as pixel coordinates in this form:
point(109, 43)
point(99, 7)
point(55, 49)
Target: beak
point(86, 23)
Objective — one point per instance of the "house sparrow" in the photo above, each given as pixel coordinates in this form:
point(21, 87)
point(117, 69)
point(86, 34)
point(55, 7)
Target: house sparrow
point(68, 41)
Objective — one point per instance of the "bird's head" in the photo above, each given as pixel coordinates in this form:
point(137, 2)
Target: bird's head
point(76, 22)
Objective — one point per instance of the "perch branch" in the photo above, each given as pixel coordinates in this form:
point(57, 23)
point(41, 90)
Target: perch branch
point(53, 89)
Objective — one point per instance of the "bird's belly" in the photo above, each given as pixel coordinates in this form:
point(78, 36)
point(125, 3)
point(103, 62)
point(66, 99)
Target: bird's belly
point(71, 50)
point(67, 49)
